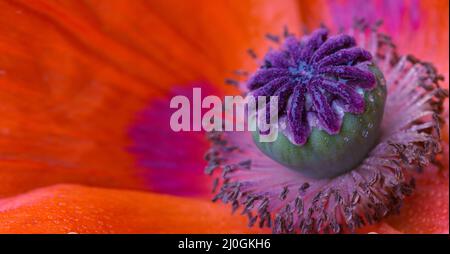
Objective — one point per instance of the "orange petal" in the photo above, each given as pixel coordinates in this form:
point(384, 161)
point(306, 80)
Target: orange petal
point(380, 228)
point(78, 209)
point(430, 41)
point(427, 210)
point(74, 74)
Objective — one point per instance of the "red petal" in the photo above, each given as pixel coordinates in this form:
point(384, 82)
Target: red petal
point(78, 209)
point(75, 74)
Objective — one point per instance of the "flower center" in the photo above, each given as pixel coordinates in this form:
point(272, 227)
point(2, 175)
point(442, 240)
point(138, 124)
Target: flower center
point(303, 73)
point(273, 196)
point(331, 102)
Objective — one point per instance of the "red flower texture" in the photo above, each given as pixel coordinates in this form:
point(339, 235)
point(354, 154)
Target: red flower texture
point(85, 142)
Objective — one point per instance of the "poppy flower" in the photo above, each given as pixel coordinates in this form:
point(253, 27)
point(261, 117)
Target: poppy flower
point(85, 141)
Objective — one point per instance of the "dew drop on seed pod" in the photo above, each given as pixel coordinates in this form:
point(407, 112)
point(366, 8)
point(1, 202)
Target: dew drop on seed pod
point(365, 133)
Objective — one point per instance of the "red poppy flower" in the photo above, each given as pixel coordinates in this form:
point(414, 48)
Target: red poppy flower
point(85, 142)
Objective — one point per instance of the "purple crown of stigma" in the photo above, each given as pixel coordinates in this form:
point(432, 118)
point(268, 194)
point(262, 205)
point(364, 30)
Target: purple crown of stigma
point(310, 76)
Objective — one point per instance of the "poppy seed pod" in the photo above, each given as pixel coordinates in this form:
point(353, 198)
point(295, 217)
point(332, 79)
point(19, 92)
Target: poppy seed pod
point(331, 103)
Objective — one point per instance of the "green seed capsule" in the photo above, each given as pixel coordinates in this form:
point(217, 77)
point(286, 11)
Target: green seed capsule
point(325, 155)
